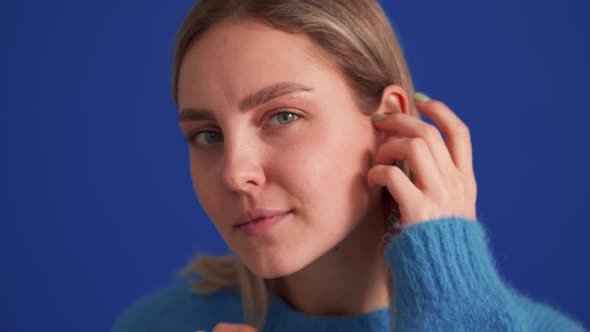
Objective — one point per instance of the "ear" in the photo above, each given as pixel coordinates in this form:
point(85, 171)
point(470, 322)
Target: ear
point(394, 99)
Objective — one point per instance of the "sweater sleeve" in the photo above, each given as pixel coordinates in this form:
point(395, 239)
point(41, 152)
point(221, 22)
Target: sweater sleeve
point(445, 279)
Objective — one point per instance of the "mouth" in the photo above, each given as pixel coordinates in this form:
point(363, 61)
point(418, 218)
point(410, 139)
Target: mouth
point(261, 225)
point(263, 219)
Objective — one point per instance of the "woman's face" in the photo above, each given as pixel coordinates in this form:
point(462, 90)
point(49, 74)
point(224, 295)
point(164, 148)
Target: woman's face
point(311, 158)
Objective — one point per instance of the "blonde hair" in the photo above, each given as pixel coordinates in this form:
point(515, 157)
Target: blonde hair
point(359, 41)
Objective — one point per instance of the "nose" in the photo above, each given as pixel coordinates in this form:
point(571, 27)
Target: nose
point(243, 171)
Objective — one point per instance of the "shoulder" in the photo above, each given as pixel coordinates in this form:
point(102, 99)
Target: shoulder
point(544, 317)
point(177, 307)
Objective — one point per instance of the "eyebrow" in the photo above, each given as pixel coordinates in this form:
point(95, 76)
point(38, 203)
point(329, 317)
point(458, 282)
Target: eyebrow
point(251, 101)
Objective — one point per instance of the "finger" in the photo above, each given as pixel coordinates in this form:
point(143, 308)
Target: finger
point(418, 156)
point(457, 134)
point(412, 127)
point(228, 327)
point(398, 184)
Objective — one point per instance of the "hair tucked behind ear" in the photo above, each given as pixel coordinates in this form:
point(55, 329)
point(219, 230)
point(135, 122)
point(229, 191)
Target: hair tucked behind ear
point(353, 36)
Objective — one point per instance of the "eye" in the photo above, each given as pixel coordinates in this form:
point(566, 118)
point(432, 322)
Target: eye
point(283, 118)
point(206, 134)
point(288, 119)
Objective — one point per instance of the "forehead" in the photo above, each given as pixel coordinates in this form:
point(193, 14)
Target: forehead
point(234, 57)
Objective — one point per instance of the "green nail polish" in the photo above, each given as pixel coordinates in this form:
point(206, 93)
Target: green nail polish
point(378, 117)
point(421, 97)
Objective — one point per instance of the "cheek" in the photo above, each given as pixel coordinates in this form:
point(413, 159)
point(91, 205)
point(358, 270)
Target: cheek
point(320, 174)
point(207, 192)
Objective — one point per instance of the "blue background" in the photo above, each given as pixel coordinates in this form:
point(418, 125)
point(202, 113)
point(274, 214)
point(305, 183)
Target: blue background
point(97, 206)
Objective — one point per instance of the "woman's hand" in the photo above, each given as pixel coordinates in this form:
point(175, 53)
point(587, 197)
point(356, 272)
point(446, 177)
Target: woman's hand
point(227, 327)
point(444, 183)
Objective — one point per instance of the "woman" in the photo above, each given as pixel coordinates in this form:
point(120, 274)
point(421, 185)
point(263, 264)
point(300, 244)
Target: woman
point(345, 211)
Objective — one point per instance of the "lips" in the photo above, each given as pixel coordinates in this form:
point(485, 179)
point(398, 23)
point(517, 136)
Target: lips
point(258, 215)
point(255, 220)
point(261, 226)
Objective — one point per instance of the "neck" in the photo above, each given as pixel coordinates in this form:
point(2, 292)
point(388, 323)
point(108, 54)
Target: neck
point(350, 279)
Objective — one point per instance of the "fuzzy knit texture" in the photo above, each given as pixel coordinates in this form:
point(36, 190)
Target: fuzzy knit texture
point(445, 280)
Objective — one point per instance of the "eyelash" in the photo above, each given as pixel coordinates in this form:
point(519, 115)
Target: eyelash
point(190, 138)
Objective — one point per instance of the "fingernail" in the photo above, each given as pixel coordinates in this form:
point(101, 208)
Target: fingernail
point(421, 97)
point(378, 117)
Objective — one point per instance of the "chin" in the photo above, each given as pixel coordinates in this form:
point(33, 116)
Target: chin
point(273, 267)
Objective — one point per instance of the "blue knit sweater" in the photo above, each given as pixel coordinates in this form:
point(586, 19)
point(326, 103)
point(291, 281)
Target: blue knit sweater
point(445, 280)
